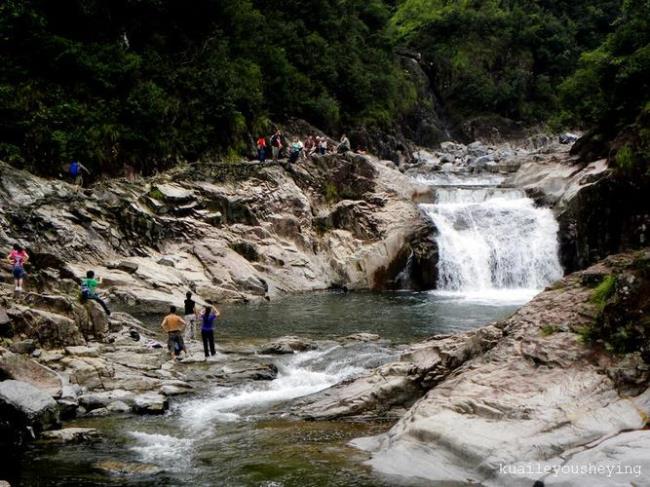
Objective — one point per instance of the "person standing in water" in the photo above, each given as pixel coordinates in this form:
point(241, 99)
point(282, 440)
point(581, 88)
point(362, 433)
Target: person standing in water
point(17, 258)
point(191, 316)
point(89, 290)
point(208, 320)
point(174, 326)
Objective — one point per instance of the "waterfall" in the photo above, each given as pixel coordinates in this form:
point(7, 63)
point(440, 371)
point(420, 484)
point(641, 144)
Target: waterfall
point(493, 241)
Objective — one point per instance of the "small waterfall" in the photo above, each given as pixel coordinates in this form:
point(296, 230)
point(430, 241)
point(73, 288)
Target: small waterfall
point(493, 240)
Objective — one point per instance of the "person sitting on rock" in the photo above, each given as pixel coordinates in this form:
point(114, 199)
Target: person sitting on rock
point(174, 326)
point(344, 145)
point(310, 145)
point(322, 146)
point(295, 150)
point(17, 258)
point(191, 316)
point(208, 320)
point(89, 290)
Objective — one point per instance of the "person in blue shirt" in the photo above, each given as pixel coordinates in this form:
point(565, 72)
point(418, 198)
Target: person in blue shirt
point(76, 170)
point(208, 321)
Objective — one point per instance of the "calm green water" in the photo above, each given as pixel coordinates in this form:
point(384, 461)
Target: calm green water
point(401, 317)
point(239, 435)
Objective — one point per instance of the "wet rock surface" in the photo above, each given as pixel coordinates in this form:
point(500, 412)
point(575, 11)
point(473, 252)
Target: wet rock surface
point(280, 229)
point(25, 411)
point(525, 391)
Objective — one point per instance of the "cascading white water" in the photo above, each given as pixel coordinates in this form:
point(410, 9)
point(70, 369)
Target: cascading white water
point(299, 375)
point(493, 241)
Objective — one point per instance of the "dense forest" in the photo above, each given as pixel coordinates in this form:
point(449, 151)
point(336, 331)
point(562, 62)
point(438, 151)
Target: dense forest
point(150, 82)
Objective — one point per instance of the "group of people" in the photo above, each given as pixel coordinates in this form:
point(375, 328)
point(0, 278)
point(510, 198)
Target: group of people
point(297, 149)
point(172, 324)
point(178, 329)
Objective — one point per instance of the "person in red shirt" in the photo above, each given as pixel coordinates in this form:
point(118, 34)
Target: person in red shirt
point(261, 148)
point(17, 258)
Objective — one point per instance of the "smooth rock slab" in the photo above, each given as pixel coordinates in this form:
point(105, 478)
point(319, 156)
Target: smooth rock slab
point(71, 435)
point(150, 404)
point(287, 345)
point(103, 399)
point(128, 469)
point(25, 409)
point(23, 346)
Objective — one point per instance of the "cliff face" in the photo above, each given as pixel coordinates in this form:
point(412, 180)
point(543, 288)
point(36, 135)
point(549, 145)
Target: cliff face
point(600, 211)
point(227, 232)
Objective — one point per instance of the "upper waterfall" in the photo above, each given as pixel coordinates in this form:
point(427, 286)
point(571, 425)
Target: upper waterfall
point(493, 239)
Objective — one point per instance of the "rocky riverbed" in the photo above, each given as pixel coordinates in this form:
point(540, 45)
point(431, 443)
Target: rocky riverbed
point(538, 396)
point(562, 382)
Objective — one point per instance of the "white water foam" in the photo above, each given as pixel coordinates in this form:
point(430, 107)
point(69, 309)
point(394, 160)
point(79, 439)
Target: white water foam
point(296, 378)
point(167, 451)
point(495, 246)
point(442, 179)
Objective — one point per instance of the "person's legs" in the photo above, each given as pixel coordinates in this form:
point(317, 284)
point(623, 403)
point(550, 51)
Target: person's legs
point(204, 336)
point(189, 331)
point(102, 303)
point(181, 344)
point(18, 278)
point(211, 342)
point(171, 344)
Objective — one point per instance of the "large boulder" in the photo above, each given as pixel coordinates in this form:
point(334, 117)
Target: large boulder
point(98, 320)
point(25, 412)
point(21, 368)
point(49, 329)
point(286, 345)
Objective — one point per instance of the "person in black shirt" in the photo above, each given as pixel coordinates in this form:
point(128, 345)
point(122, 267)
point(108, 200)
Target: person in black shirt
point(191, 316)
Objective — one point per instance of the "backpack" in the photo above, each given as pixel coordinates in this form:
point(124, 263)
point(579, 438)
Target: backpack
point(85, 289)
point(74, 169)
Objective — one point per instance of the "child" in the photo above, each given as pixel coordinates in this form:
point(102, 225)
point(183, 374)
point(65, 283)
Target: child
point(89, 290)
point(17, 258)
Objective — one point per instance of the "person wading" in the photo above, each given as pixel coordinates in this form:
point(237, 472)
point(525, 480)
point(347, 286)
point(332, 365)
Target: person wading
point(191, 316)
point(208, 320)
point(174, 326)
point(17, 258)
point(89, 290)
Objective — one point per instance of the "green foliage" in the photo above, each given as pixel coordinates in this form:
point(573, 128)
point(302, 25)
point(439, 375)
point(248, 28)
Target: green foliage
point(502, 57)
point(604, 291)
point(611, 87)
point(548, 330)
point(625, 158)
point(150, 82)
point(587, 334)
point(331, 193)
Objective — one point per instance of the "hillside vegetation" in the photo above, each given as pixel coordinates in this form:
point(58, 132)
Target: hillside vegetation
point(151, 82)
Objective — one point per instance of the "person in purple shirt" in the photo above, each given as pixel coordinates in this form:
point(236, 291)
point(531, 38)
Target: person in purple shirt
point(208, 321)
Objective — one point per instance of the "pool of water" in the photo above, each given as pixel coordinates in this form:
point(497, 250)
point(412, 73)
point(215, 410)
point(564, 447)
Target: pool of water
point(401, 316)
point(241, 435)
